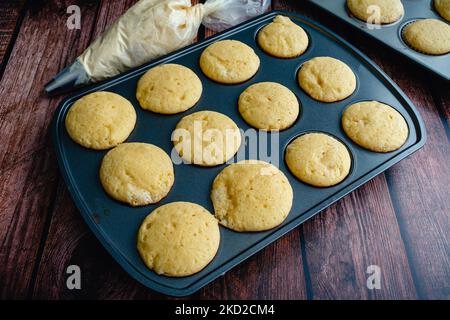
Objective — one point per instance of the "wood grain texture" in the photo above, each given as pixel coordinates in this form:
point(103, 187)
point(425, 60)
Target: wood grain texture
point(65, 220)
point(11, 12)
point(441, 95)
point(398, 220)
point(27, 164)
point(358, 231)
point(276, 272)
point(103, 278)
point(71, 242)
point(419, 185)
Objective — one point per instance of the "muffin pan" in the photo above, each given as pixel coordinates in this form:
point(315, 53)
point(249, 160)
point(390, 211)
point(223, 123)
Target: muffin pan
point(116, 224)
point(390, 35)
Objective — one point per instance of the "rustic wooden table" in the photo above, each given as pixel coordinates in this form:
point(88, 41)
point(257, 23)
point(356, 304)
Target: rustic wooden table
point(398, 221)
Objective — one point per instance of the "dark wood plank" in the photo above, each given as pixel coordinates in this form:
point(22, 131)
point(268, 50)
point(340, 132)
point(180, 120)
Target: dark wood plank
point(274, 273)
point(349, 236)
point(355, 233)
point(103, 278)
point(441, 95)
point(419, 185)
point(80, 246)
point(10, 20)
point(359, 231)
point(420, 188)
point(27, 191)
point(28, 168)
point(70, 242)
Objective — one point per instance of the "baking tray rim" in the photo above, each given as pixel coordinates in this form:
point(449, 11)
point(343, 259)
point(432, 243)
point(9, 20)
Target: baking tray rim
point(401, 24)
point(271, 237)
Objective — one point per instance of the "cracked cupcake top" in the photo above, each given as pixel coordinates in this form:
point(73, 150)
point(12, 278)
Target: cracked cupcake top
point(137, 173)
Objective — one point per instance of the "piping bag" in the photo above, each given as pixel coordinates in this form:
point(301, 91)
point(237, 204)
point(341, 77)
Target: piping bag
point(148, 30)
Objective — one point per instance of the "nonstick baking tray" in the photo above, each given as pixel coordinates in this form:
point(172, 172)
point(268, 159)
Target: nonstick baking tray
point(116, 224)
point(390, 35)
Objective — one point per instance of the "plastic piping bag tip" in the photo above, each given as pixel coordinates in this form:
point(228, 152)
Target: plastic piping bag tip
point(69, 78)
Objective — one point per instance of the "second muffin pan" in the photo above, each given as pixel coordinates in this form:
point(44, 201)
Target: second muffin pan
point(116, 224)
point(390, 35)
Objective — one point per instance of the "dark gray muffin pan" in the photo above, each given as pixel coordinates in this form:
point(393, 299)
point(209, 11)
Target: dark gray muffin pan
point(390, 35)
point(116, 224)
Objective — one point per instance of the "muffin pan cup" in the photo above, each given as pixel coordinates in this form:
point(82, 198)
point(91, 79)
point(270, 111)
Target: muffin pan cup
point(390, 35)
point(116, 224)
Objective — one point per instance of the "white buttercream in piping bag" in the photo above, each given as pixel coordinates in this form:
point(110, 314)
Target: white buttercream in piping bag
point(148, 30)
